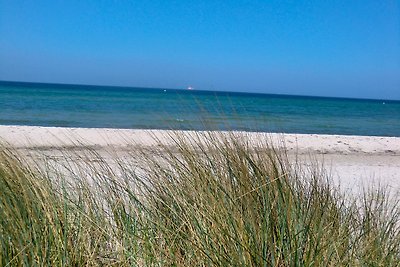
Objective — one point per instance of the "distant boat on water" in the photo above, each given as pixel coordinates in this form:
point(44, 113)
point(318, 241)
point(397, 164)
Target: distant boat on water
point(190, 88)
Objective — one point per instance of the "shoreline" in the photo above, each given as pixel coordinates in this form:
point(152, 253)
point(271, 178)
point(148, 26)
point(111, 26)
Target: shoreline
point(42, 136)
point(353, 161)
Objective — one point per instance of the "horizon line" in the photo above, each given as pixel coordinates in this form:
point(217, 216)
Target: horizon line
point(194, 90)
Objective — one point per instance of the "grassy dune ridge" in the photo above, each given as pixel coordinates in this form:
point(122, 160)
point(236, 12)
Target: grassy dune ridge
point(212, 200)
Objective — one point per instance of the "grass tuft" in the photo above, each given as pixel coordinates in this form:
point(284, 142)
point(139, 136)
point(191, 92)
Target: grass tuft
point(209, 200)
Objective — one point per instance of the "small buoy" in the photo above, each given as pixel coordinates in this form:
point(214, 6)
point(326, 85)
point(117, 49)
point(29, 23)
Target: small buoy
point(383, 103)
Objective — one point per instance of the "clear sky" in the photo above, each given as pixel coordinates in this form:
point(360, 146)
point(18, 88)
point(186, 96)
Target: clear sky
point(329, 48)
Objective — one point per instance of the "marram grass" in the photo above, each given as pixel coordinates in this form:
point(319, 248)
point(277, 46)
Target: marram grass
point(211, 200)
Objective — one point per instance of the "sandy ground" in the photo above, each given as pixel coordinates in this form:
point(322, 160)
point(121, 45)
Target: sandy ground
point(353, 161)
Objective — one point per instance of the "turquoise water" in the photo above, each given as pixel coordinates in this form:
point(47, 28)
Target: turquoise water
point(118, 107)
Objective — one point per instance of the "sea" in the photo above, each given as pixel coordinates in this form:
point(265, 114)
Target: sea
point(59, 105)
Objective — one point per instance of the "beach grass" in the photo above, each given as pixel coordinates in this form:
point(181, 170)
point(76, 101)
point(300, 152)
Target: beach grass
point(208, 200)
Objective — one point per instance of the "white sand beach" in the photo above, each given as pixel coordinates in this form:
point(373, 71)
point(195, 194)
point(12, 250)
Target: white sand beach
point(353, 161)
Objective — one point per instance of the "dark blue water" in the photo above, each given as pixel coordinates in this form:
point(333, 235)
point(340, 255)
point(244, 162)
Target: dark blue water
point(118, 107)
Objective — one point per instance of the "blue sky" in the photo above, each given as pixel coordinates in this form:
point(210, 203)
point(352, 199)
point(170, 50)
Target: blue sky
point(326, 48)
